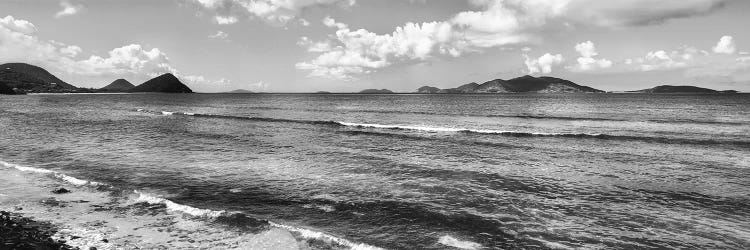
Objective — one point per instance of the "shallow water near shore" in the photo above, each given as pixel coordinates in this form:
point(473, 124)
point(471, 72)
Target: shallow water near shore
point(537, 171)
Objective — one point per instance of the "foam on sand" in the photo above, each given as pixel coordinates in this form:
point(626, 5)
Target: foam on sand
point(280, 236)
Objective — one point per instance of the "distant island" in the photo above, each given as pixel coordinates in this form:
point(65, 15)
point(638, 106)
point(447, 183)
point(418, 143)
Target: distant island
point(166, 83)
point(240, 91)
point(376, 91)
point(23, 78)
point(522, 84)
point(119, 85)
point(669, 89)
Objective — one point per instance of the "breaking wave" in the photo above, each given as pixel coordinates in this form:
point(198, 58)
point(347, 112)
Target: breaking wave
point(467, 130)
point(207, 214)
point(172, 206)
point(58, 175)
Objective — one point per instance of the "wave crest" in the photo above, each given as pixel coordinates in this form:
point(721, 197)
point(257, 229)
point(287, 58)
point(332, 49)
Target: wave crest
point(173, 206)
point(64, 177)
point(473, 131)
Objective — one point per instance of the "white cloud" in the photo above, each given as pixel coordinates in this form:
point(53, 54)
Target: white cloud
point(697, 64)
point(314, 46)
point(221, 35)
point(666, 60)
point(586, 49)
point(361, 51)
point(587, 61)
point(725, 45)
point(68, 9)
point(496, 23)
point(17, 25)
point(225, 20)
point(304, 22)
point(633, 12)
point(542, 64)
point(271, 11)
point(20, 44)
point(655, 60)
point(200, 80)
point(130, 59)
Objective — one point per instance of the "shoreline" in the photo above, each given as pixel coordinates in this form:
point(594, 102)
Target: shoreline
point(19, 232)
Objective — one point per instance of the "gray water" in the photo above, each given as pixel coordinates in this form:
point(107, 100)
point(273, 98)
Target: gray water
point(385, 171)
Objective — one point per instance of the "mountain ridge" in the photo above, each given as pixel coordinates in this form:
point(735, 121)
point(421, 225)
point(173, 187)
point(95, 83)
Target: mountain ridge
point(27, 78)
point(523, 84)
point(166, 83)
point(118, 85)
point(666, 89)
point(376, 91)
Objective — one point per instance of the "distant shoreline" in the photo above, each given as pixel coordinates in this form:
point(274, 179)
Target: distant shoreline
point(355, 93)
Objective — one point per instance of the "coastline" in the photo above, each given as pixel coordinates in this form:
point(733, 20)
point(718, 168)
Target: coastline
point(19, 232)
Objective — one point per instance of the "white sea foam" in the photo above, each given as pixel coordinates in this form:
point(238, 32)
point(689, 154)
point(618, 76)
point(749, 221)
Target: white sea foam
point(207, 213)
point(73, 180)
point(167, 113)
point(309, 234)
point(324, 208)
point(421, 128)
point(447, 129)
point(172, 206)
point(462, 244)
point(64, 177)
point(198, 212)
point(29, 169)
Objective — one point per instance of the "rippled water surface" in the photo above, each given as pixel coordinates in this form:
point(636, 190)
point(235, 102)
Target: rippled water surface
point(382, 171)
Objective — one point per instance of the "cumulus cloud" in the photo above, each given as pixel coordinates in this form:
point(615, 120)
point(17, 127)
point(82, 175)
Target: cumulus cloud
point(278, 12)
point(682, 57)
point(698, 64)
point(655, 60)
point(68, 9)
point(495, 23)
point(20, 44)
point(130, 59)
point(542, 64)
point(17, 25)
point(725, 46)
point(588, 61)
point(361, 51)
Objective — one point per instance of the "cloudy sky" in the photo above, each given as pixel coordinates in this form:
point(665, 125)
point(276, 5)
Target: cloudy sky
point(349, 45)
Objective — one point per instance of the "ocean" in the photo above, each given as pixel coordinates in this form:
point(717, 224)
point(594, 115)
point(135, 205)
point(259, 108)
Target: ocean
point(348, 171)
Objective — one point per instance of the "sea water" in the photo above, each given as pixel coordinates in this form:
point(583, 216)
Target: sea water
point(329, 171)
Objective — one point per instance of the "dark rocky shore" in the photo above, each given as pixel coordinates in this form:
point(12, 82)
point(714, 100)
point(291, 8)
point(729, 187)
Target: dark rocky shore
point(17, 232)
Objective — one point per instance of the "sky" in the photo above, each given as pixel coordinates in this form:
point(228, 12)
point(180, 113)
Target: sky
point(401, 45)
